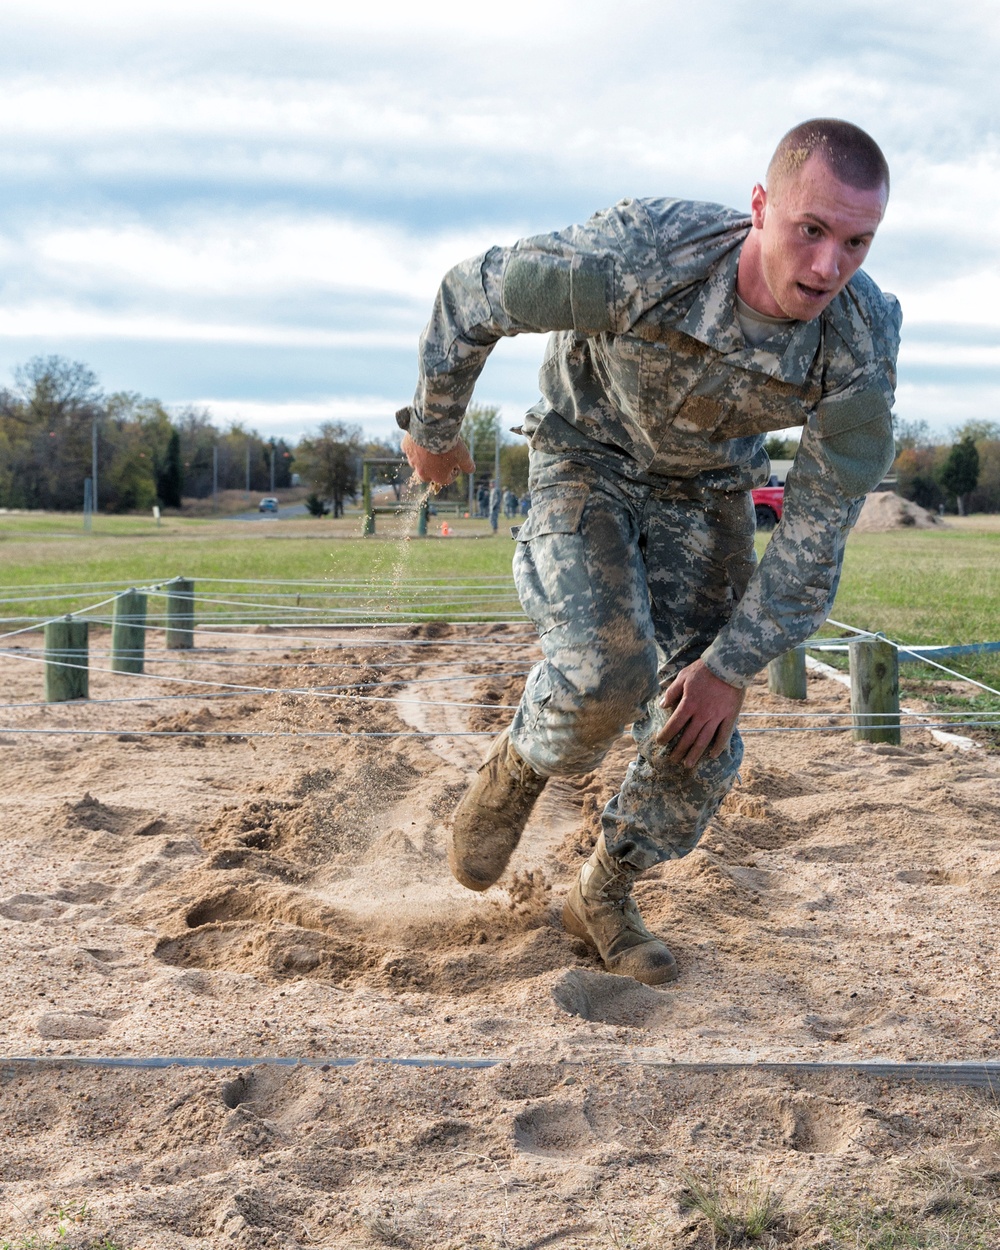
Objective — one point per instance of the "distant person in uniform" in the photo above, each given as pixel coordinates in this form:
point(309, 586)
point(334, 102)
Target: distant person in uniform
point(495, 496)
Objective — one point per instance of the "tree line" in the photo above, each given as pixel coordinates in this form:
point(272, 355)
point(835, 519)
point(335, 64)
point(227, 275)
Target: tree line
point(146, 454)
point(55, 420)
point(961, 476)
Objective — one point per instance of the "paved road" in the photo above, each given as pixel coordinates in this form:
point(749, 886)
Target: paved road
point(283, 513)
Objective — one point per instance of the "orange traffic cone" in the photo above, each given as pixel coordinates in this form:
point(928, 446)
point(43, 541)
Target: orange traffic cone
point(445, 530)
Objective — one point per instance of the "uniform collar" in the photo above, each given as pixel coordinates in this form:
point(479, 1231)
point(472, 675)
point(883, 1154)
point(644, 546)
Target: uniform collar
point(711, 319)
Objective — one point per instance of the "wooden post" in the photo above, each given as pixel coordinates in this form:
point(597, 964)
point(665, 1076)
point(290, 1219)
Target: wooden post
point(422, 514)
point(874, 690)
point(366, 501)
point(128, 633)
point(66, 658)
point(180, 614)
point(787, 674)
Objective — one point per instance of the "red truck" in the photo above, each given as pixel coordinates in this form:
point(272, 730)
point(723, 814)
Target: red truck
point(767, 504)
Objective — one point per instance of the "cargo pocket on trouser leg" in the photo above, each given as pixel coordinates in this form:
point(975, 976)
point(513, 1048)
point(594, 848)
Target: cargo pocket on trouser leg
point(579, 579)
point(554, 510)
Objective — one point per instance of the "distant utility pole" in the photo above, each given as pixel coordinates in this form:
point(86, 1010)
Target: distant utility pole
point(272, 466)
point(215, 476)
point(93, 465)
point(496, 453)
point(248, 470)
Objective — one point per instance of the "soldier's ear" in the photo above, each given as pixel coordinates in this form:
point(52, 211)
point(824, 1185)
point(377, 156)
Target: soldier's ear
point(758, 206)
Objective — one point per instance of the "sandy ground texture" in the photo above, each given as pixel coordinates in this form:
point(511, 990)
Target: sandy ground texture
point(221, 893)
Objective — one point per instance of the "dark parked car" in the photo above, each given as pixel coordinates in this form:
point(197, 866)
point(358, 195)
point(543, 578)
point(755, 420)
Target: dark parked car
point(268, 504)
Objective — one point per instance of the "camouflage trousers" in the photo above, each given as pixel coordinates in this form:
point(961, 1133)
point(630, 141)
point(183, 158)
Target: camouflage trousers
point(627, 581)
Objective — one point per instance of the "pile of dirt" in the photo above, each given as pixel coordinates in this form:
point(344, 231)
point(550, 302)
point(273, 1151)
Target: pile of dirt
point(885, 510)
point(289, 896)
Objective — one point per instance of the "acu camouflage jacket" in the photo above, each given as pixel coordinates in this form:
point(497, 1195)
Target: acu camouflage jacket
point(647, 362)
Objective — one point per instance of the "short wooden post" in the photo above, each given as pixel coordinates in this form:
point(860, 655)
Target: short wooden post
point(180, 614)
point(66, 658)
point(787, 674)
point(874, 690)
point(422, 514)
point(128, 632)
point(366, 501)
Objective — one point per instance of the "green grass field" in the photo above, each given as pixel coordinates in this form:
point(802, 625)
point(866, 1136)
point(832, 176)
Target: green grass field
point(916, 586)
point(380, 578)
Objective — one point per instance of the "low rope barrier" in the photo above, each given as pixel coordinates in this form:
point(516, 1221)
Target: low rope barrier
point(969, 1073)
point(876, 723)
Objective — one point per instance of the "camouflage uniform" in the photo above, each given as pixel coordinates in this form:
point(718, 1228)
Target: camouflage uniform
point(637, 556)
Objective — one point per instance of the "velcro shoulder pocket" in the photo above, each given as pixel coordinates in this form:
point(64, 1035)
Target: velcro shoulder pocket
point(856, 437)
point(555, 510)
point(559, 293)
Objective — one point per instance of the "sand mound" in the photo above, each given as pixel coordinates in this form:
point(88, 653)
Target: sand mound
point(887, 511)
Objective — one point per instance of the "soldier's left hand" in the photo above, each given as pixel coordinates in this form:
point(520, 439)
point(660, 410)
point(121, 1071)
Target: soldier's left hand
point(705, 710)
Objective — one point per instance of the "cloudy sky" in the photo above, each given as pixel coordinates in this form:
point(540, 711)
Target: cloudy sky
point(248, 205)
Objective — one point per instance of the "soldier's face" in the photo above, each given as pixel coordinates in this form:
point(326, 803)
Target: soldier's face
point(815, 234)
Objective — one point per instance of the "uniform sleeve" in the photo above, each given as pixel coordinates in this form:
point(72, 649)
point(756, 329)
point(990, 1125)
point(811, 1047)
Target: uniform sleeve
point(845, 451)
point(576, 279)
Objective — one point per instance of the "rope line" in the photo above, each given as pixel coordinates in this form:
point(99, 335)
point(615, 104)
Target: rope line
point(980, 1074)
point(867, 633)
point(234, 694)
point(237, 734)
point(306, 691)
point(186, 658)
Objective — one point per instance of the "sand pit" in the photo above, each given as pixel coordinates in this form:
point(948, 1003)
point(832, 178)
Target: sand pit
point(220, 894)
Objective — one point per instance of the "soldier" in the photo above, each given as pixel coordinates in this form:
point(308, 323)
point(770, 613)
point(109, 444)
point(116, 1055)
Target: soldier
point(681, 333)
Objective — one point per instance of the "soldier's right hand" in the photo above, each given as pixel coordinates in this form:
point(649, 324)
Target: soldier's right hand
point(439, 468)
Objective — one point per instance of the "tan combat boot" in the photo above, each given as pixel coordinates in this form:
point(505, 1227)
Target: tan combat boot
point(491, 816)
point(600, 910)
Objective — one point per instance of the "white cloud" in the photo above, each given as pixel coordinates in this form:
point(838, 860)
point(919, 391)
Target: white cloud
point(299, 175)
point(52, 320)
point(293, 420)
point(245, 255)
point(374, 414)
point(945, 407)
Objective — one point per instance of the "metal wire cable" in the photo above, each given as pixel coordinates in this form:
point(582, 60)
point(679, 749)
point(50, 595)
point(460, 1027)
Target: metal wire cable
point(92, 608)
point(237, 734)
point(866, 633)
point(492, 640)
point(234, 694)
point(186, 658)
point(305, 692)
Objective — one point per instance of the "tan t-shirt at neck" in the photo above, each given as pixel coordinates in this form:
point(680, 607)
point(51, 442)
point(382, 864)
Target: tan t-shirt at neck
point(758, 327)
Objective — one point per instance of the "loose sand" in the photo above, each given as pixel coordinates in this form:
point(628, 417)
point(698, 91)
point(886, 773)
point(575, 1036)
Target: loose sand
point(885, 510)
point(231, 896)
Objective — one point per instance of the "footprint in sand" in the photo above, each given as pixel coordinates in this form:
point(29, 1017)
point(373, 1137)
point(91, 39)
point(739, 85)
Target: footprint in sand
point(74, 1026)
point(553, 1128)
point(609, 999)
point(816, 1125)
point(27, 907)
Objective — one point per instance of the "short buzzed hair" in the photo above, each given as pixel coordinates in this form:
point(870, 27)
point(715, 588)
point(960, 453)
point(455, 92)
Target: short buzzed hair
point(851, 155)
